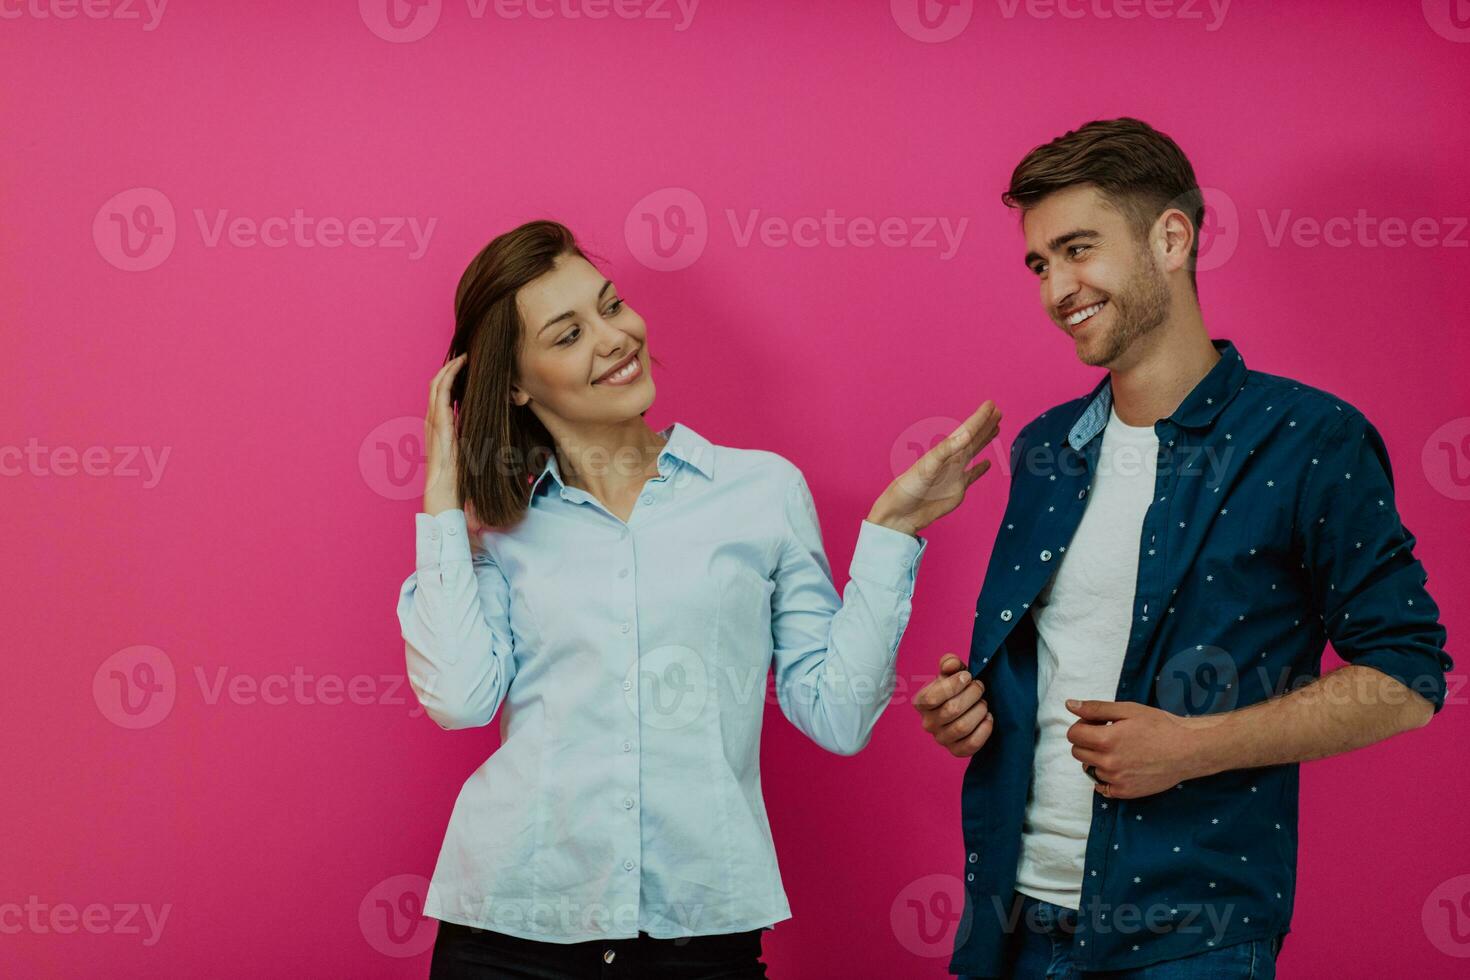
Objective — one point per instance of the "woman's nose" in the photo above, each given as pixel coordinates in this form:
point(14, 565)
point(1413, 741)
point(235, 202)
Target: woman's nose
point(612, 340)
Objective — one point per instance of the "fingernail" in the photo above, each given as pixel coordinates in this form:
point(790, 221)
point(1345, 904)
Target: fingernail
point(964, 676)
point(1073, 702)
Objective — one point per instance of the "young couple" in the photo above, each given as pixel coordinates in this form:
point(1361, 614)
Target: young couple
point(1178, 546)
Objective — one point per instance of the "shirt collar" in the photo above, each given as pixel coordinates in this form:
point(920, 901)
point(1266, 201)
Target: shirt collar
point(1197, 411)
point(683, 446)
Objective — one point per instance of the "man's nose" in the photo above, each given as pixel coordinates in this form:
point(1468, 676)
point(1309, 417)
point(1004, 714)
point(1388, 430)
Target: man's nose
point(1060, 290)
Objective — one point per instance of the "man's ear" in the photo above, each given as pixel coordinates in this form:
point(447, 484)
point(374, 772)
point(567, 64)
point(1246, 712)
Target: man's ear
point(1176, 236)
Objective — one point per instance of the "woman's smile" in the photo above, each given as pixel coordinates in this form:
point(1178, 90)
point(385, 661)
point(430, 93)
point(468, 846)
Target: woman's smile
point(626, 371)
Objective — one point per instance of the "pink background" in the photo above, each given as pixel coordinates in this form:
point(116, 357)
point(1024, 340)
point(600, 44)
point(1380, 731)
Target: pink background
point(276, 538)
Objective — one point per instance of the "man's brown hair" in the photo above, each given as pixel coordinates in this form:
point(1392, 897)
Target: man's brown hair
point(1140, 171)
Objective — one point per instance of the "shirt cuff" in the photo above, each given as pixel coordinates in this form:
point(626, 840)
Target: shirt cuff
point(887, 558)
point(441, 538)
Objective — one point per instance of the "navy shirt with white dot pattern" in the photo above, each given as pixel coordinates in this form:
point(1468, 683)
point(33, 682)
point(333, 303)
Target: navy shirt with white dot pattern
point(1273, 531)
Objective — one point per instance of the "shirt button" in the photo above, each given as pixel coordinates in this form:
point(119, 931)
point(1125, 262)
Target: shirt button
point(628, 803)
point(1081, 494)
point(974, 857)
point(627, 746)
point(647, 498)
point(450, 531)
point(627, 685)
point(1046, 556)
point(627, 865)
point(609, 956)
point(1005, 614)
point(622, 573)
point(624, 628)
point(970, 876)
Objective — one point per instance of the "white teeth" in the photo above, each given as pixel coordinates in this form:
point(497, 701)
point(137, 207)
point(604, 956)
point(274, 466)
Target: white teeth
point(1083, 314)
point(623, 372)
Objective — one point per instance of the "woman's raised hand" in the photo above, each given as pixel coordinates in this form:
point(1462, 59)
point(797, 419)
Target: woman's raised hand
point(936, 483)
point(441, 447)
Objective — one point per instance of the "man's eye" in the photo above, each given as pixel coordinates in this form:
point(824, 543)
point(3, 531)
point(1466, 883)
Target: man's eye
point(570, 338)
point(1073, 249)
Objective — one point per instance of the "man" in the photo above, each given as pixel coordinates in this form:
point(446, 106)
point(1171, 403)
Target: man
point(1178, 546)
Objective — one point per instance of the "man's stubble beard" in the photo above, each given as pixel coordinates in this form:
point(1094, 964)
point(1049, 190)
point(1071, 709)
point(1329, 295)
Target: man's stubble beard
point(1140, 308)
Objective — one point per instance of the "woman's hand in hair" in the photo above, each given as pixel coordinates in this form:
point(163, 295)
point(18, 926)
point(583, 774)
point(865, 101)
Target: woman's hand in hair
point(441, 448)
point(936, 483)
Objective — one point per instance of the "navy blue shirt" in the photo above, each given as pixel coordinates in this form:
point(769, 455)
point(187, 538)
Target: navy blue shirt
point(1272, 531)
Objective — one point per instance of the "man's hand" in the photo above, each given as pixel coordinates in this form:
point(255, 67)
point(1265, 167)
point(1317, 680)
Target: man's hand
point(953, 710)
point(1137, 750)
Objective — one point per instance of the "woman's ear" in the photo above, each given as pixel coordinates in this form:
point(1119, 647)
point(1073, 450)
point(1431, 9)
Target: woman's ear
point(518, 397)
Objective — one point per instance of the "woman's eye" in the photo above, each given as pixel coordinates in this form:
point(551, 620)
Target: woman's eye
point(571, 337)
point(615, 307)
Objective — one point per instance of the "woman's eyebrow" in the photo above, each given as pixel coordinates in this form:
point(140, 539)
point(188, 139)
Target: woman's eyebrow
point(606, 283)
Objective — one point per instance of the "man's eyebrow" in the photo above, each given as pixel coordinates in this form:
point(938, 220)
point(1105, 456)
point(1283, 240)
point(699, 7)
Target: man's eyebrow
point(1061, 240)
point(606, 284)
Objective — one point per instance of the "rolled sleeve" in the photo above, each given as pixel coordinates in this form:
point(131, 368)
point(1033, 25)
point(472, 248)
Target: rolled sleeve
point(1369, 587)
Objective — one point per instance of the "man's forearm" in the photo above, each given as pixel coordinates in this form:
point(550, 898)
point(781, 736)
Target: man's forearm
point(1347, 709)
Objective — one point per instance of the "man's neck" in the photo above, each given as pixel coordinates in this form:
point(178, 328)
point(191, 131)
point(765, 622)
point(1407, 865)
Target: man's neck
point(1161, 370)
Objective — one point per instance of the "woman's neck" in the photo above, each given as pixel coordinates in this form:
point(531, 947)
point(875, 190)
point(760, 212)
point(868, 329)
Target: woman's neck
point(608, 461)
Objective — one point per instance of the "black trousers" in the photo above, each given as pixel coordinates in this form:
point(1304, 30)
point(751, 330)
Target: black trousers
point(466, 953)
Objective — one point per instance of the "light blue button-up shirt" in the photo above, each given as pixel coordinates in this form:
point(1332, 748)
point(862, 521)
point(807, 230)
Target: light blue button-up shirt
point(629, 664)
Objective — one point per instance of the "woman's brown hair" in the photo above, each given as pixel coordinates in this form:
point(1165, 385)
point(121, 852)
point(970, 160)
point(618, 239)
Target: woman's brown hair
point(502, 446)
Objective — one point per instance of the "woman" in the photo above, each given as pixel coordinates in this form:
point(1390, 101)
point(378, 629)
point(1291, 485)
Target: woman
point(635, 590)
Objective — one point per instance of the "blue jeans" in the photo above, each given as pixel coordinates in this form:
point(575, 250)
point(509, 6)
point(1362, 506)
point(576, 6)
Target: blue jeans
point(1046, 954)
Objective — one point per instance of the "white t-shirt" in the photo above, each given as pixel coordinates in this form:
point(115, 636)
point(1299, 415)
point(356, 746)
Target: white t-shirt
point(1082, 620)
